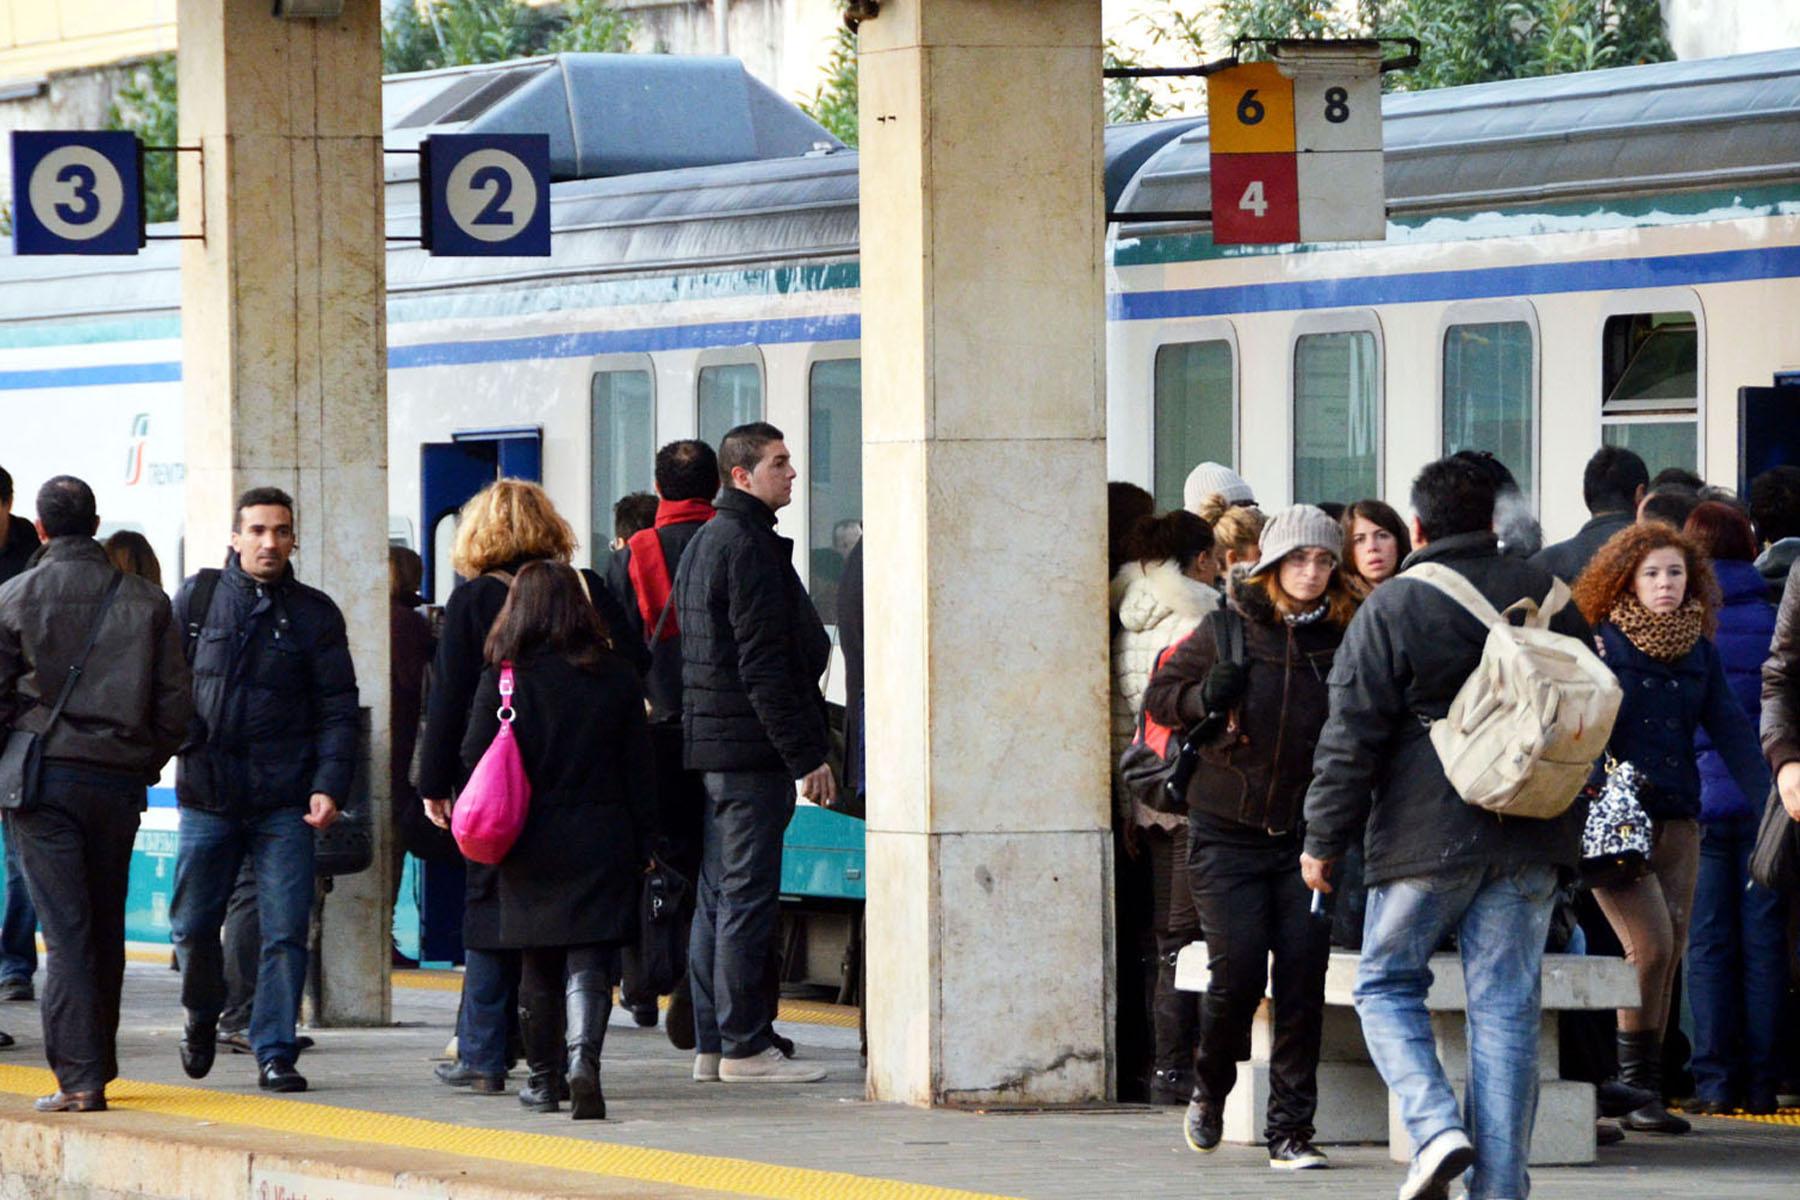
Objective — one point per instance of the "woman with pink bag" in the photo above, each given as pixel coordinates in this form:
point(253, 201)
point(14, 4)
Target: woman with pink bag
point(567, 890)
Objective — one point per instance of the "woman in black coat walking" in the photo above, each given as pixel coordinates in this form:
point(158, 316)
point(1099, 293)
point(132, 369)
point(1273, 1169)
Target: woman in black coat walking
point(567, 891)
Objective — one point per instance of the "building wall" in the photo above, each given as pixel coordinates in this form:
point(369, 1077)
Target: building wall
point(41, 37)
point(1709, 28)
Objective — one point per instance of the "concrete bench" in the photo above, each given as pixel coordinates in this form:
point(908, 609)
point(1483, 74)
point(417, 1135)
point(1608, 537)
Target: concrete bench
point(1353, 1101)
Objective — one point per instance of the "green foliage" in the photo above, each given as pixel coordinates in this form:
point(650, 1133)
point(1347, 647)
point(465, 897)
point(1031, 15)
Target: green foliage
point(1127, 100)
point(145, 105)
point(429, 34)
point(834, 104)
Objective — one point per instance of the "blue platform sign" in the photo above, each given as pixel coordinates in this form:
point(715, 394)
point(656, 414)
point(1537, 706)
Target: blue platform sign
point(486, 194)
point(77, 193)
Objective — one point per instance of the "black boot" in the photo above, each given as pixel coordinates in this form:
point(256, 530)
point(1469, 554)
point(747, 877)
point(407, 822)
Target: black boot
point(543, 1058)
point(1640, 1065)
point(587, 1003)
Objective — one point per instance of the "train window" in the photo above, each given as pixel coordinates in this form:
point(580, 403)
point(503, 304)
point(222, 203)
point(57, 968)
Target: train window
point(1489, 378)
point(623, 429)
point(730, 394)
point(1337, 417)
point(1651, 375)
point(834, 476)
point(1194, 410)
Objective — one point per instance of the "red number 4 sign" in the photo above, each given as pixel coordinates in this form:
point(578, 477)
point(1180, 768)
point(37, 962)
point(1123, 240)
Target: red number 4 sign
point(1255, 199)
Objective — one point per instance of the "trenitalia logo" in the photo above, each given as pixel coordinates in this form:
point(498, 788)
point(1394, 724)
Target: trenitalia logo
point(134, 454)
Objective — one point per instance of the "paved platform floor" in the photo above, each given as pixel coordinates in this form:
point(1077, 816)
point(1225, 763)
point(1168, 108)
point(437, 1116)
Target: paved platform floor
point(653, 1105)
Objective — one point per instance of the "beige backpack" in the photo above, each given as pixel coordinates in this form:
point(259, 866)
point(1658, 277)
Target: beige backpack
point(1522, 735)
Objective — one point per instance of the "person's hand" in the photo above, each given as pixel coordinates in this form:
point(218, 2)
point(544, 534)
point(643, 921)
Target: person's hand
point(1787, 781)
point(1317, 872)
point(819, 786)
point(437, 812)
point(1223, 686)
point(322, 812)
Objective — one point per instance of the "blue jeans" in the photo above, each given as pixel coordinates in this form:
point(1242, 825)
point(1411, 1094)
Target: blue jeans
point(490, 1004)
point(18, 933)
point(279, 845)
point(1501, 918)
point(738, 905)
point(1737, 968)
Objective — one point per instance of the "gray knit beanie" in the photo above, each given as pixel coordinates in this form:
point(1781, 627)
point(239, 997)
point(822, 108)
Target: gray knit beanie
point(1292, 528)
point(1210, 477)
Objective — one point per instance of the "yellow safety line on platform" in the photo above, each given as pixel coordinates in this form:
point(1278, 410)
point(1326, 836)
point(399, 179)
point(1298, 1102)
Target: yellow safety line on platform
point(1786, 1116)
point(734, 1176)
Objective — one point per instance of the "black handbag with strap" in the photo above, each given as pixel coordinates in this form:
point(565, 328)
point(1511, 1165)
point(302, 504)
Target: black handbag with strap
point(22, 760)
point(1775, 859)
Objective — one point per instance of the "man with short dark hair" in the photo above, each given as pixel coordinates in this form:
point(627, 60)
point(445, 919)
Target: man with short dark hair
point(631, 514)
point(1613, 485)
point(77, 632)
point(1434, 863)
point(18, 933)
point(270, 759)
point(753, 721)
point(1670, 505)
point(640, 576)
point(1676, 479)
point(1775, 507)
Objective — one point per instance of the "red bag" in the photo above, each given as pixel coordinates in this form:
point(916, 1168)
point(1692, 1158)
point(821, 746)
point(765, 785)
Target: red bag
point(490, 811)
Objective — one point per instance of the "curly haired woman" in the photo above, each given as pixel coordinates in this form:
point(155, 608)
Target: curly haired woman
point(1651, 597)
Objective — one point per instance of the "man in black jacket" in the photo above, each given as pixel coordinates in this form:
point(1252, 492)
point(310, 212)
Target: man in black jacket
point(753, 721)
point(1612, 486)
point(18, 933)
point(270, 759)
point(1434, 863)
point(126, 707)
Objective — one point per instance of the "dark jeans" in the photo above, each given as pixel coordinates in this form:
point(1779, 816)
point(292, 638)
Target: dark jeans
point(214, 846)
point(490, 1008)
point(75, 849)
point(18, 932)
point(1253, 903)
point(738, 907)
point(1175, 1015)
point(1737, 968)
point(243, 951)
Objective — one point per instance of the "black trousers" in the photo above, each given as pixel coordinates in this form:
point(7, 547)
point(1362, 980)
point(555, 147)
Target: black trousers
point(1175, 1015)
point(1253, 903)
point(75, 848)
point(242, 941)
point(680, 836)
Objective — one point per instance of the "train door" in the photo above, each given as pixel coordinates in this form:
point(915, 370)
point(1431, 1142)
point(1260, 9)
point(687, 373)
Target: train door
point(450, 473)
point(1768, 428)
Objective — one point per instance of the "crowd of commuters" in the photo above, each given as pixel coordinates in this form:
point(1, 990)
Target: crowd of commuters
point(1314, 772)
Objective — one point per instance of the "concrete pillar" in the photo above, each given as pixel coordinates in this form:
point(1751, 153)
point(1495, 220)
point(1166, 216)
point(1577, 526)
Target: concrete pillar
point(989, 915)
point(284, 353)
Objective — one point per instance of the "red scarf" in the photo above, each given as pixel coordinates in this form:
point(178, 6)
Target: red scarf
point(649, 570)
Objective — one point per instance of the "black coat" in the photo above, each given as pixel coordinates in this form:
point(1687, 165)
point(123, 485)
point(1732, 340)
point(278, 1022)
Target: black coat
point(850, 641)
point(573, 876)
point(663, 682)
point(21, 544)
point(274, 696)
point(1567, 559)
point(752, 648)
point(1403, 659)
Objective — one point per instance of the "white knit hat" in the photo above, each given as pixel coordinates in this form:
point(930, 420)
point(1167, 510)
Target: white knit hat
point(1292, 528)
point(1210, 477)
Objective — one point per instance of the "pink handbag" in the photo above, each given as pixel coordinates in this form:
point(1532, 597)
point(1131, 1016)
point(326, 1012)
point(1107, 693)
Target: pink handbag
point(490, 811)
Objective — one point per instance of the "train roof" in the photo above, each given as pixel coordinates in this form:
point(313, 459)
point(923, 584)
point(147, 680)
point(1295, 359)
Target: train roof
point(1662, 127)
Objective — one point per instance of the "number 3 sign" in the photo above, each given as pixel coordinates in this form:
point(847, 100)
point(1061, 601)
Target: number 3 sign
point(486, 194)
point(77, 193)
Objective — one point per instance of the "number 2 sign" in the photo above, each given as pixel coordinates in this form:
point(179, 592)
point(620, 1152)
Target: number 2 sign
point(77, 193)
point(486, 194)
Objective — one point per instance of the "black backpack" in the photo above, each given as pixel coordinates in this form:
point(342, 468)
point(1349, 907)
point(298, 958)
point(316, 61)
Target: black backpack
point(1160, 761)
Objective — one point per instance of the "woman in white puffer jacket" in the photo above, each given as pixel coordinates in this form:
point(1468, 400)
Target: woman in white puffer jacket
point(1159, 596)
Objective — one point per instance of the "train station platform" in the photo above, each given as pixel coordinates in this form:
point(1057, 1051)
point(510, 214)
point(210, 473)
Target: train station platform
point(376, 1126)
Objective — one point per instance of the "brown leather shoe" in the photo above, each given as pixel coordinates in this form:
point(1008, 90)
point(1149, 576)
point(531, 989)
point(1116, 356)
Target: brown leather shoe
point(72, 1102)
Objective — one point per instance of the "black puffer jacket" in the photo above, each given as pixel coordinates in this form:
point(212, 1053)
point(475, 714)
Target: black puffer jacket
point(1257, 774)
point(752, 647)
point(1404, 657)
point(274, 696)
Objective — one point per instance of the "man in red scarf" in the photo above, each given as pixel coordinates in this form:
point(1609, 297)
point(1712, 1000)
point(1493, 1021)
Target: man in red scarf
point(641, 577)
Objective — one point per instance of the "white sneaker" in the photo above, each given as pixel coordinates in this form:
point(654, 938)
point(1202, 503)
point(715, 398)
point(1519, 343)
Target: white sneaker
point(1443, 1159)
point(767, 1067)
point(706, 1068)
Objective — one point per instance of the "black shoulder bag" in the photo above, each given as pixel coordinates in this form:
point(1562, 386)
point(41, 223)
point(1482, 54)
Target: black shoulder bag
point(22, 761)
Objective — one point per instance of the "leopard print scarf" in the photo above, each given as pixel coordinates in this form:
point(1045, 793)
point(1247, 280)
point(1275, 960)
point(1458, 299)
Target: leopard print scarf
point(1663, 636)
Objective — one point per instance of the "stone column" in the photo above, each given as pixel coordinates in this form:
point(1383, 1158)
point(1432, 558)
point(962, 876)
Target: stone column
point(283, 353)
point(983, 302)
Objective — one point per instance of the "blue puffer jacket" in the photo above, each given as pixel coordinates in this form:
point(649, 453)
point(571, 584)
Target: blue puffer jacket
point(1665, 704)
point(1746, 627)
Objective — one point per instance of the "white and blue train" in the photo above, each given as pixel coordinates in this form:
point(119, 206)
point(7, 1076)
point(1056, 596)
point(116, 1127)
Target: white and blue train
point(1605, 257)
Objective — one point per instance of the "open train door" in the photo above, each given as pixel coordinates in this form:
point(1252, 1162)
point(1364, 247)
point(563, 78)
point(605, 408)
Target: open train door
point(450, 473)
point(1768, 429)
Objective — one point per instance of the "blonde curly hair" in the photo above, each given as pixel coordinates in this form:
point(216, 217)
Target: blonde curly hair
point(507, 521)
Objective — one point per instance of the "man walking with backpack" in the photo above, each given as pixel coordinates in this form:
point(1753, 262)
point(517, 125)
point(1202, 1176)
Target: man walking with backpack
point(90, 663)
point(752, 649)
point(1435, 863)
point(270, 759)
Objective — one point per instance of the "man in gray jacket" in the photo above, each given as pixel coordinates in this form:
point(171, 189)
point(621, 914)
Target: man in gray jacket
point(125, 712)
